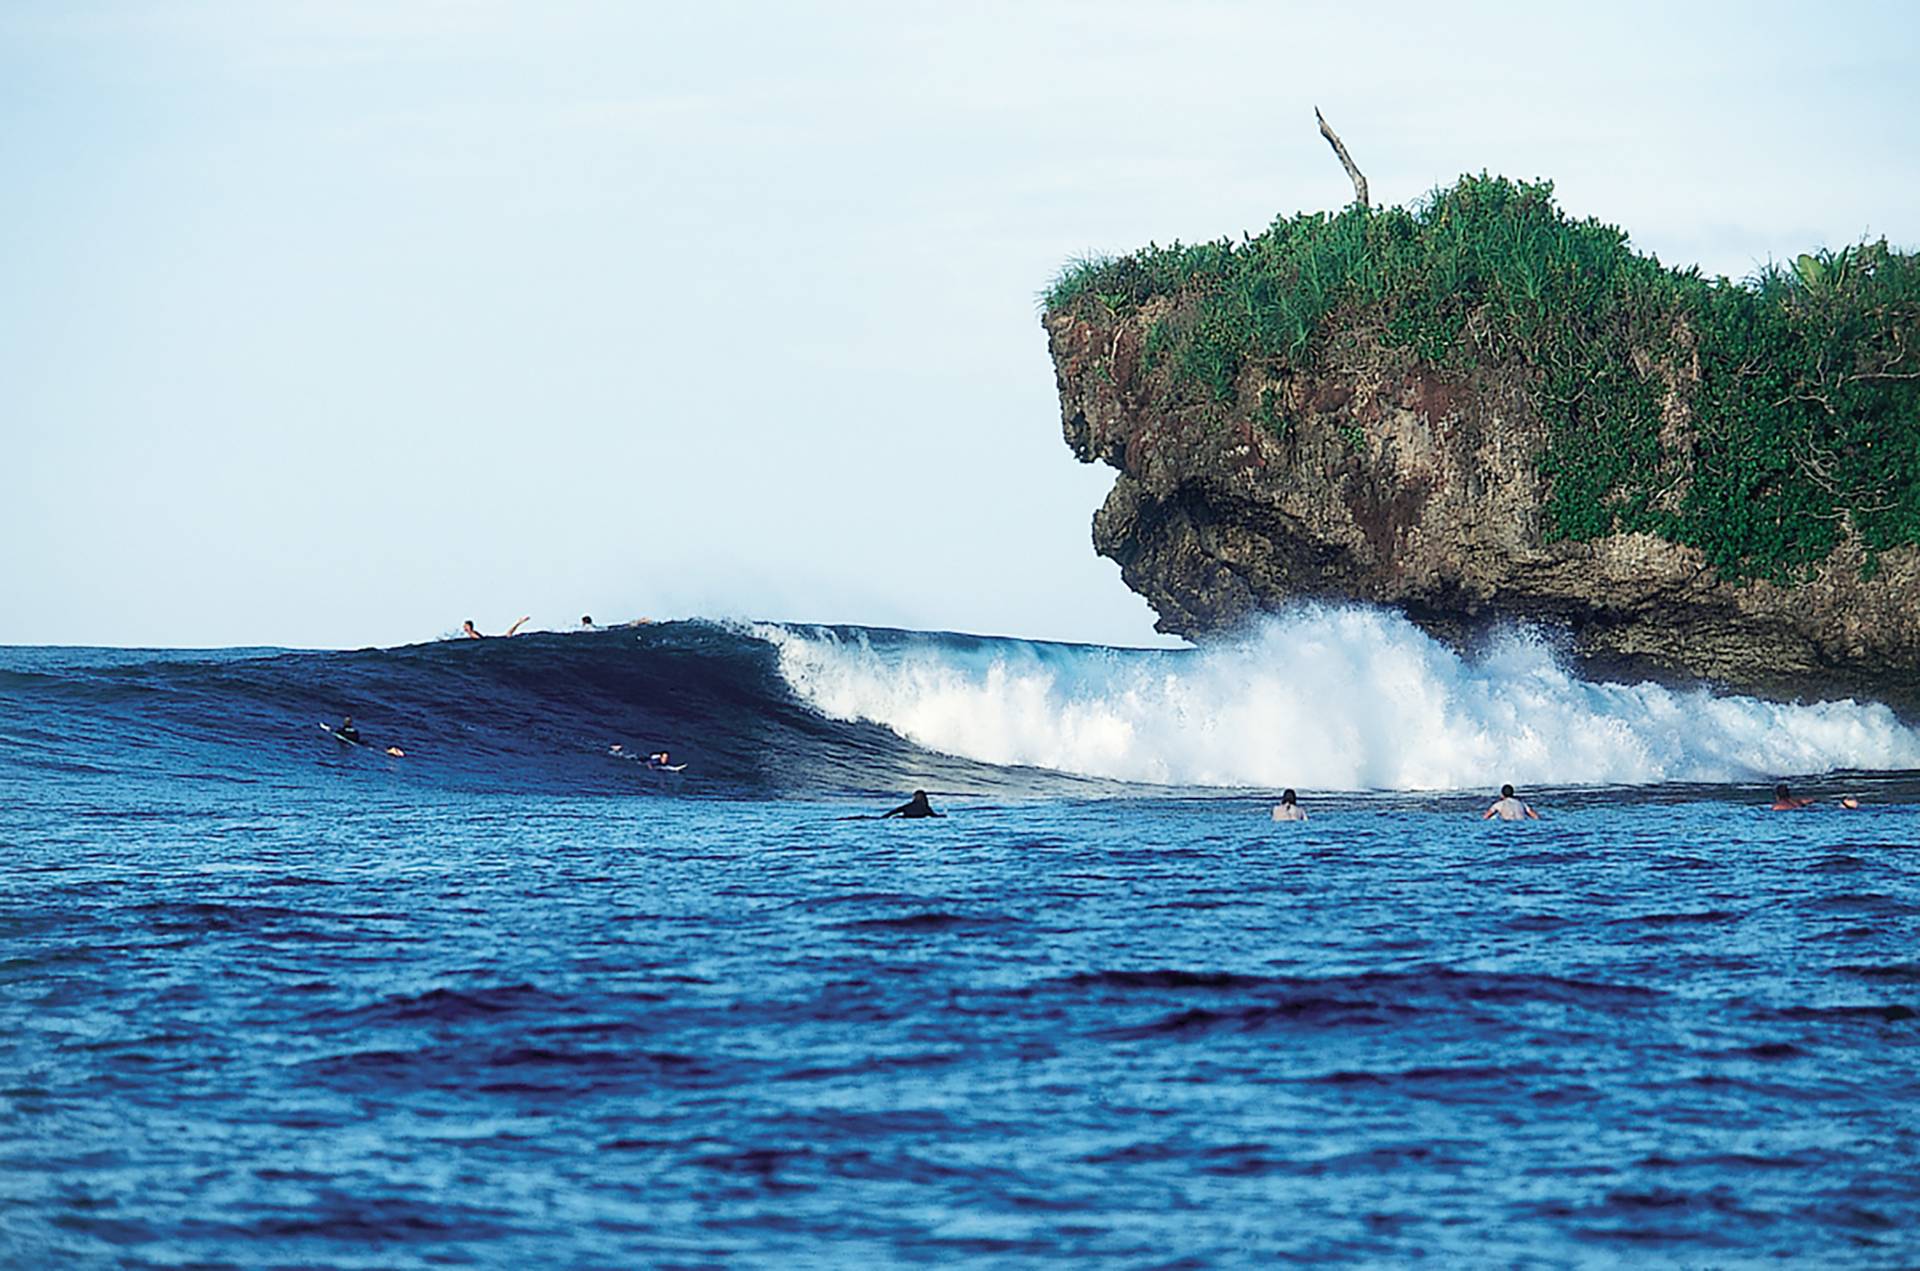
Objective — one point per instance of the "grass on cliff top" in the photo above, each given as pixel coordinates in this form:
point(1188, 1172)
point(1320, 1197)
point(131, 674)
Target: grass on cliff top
point(1803, 383)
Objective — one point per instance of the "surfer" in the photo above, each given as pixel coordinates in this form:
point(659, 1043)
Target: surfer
point(468, 630)
point(349, 735)
point(915, 807)
point(1784, 800)
point(1509, 808)
point(1289, 809)
point(658, 759)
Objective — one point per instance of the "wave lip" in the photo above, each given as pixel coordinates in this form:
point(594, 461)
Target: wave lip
point(1340, 698)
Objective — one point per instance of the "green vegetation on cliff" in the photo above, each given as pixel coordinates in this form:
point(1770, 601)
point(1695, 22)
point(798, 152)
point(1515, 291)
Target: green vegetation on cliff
point(1758, 421)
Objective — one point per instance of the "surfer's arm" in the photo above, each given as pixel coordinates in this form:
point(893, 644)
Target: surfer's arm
point(516, 626)
point(895, 811)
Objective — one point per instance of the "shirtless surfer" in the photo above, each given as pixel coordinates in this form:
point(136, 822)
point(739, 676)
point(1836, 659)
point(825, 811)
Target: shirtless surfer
point(1784, 800)
point(1509, 808)
point(1289, 809)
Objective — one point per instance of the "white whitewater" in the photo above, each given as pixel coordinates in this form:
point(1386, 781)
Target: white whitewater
point(1330, 698)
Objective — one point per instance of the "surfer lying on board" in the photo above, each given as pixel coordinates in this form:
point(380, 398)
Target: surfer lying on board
point(915, 807)
point(658, 761)
point(348, 735)
point(468, 630)
point(1784, 800)
point(1509, 808)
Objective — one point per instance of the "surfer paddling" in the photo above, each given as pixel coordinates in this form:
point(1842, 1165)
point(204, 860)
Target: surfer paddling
point(347, 735)
point(1785, 800)
point(658, 761)
point(1509, 807)
point(468, 630)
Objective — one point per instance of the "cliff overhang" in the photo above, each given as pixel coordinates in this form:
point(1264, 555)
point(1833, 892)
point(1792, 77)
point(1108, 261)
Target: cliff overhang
point(1480, 411)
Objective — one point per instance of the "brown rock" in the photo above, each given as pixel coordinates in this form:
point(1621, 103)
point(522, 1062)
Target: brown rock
point(1391, 483)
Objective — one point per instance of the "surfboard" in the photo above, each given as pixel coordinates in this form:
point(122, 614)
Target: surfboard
point(666, 767)
point(334, 733)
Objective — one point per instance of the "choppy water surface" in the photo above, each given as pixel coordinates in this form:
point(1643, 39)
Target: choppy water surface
point(343, 1023)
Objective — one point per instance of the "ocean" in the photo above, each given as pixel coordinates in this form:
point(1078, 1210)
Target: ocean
point(512, 999)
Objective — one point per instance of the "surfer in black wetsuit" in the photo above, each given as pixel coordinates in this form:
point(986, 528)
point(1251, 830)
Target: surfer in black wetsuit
point(347, 730)
point(917, 806)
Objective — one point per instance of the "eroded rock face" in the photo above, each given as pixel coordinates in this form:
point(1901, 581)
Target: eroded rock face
point(1376, 478)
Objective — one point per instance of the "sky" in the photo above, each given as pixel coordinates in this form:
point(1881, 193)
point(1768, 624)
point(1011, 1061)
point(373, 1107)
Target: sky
point(334, 324)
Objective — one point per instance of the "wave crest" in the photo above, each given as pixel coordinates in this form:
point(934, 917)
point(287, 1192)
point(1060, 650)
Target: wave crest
point(1335, 698)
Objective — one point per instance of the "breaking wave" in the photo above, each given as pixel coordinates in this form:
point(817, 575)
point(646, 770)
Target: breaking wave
point(1328, 698)
point(1334, 698)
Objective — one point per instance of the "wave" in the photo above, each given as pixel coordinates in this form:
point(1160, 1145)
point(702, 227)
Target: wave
point(1333, 698)
point(1327, 698)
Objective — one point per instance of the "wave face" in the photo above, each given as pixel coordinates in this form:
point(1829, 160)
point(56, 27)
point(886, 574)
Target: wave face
point(1324, 698)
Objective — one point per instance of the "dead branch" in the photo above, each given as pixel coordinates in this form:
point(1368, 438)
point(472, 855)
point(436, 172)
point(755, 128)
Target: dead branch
point(1346, 161)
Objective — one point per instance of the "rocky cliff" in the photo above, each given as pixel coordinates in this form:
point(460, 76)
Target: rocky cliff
point(1360, 464)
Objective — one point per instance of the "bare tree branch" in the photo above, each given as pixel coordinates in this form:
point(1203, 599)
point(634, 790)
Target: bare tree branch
point(1346, 161)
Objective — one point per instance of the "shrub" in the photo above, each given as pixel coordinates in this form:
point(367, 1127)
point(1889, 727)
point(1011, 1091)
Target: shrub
point(1804, 418)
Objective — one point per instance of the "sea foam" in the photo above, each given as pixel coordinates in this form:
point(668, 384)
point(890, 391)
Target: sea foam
point(1328, 697)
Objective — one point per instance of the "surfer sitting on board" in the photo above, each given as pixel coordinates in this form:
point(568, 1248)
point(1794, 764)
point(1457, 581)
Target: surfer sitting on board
point(347, 730)
point(915, 807)
point(1289, 809)
point(468, 630)
point(1509, 808)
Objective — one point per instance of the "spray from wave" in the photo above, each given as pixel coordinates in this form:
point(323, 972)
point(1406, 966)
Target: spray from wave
point(1334, 698)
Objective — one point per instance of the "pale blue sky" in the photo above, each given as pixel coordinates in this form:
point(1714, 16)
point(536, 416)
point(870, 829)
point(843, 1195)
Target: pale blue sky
point(337, 323)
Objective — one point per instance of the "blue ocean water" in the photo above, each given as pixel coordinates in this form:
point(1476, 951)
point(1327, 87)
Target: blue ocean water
point(510, 1000)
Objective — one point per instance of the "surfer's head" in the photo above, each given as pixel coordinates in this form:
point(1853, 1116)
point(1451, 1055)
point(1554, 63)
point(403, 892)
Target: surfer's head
point(1506, 792)
point(586, 619)
point(1780, 791)
point(1288, 797)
